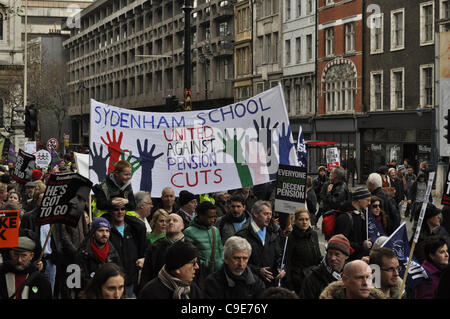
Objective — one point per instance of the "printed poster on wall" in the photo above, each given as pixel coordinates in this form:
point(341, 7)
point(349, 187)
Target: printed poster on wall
point(235, 146)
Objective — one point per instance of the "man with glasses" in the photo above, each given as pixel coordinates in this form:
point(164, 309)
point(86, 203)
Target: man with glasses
point(128, 235)
point(390, 280)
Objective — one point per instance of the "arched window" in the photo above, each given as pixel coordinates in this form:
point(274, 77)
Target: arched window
point(340, 88)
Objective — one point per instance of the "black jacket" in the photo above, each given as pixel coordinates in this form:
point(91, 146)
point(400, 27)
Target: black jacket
point(225, 225)
point(154, 259)
point(267, 255)
point(224, 285)
point(311, 202)
point(338, 195)
point(106, 190)
point(354, 230)
point(155, 289)
point(39, 286)
point(131, 247)
point(89, 263)
point(315, 282)
point(302, 253)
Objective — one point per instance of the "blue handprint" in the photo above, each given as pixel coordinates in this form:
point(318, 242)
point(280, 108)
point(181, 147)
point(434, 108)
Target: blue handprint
point(147, 164)
point(267, 143)
point(99, 162)
point(285, 144)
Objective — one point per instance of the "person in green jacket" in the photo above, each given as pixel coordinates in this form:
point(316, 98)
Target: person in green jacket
point(206, 238)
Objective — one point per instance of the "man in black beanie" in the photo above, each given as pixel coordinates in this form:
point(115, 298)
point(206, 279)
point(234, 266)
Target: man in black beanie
point(175, 279)
point(188, 204)
point(352, 224)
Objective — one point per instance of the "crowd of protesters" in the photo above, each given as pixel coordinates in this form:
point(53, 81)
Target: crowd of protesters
point(226, 245)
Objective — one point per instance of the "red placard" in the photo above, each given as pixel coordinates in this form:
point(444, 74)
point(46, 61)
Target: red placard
point(9, 228)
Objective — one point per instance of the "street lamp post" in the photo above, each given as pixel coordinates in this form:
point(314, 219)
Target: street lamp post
point(81, 88)
point(187, 55)
point(205, 59)
point(25, 82)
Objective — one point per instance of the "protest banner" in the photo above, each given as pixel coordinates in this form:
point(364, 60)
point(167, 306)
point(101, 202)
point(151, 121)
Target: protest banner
point(43, 158)
point(290, 192)
point(82, 163)
point(64, 199)
point(24, 167)
point(9, 228)
point(446, 194)
point(302, 153)
point(373, 228)
point(398, 242)
point(202, 151)
point(332, 155)
point(419, 224)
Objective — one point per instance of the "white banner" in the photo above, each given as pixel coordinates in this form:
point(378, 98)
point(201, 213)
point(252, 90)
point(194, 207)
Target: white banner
point(235, 146)
point(82, 161)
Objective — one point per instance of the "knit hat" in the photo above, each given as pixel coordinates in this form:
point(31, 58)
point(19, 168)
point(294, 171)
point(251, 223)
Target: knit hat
point(341, 243)
point(37, 174)
point(360, 193)
point(431, 211)
point(185, 197)
point(179, 254)
point(25, 244)
point(100, 222)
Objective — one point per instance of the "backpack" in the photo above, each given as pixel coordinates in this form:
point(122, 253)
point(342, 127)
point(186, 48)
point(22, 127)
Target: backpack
point(329, 222)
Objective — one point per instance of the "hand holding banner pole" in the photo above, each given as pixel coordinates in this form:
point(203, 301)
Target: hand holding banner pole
point(45, 243)
point(419, 226)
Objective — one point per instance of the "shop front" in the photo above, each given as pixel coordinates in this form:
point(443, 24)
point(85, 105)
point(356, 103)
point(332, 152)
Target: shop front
point(394, 136)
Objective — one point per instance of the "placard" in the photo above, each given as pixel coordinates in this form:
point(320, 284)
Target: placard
point(290, 192)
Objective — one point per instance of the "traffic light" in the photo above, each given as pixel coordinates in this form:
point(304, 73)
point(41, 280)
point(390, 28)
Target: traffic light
point(31, 121)
point(171, 103)
point(447, 127)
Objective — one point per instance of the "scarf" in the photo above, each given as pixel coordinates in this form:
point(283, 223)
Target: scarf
point(330, 270)
point(100, 253)
point(181, 289)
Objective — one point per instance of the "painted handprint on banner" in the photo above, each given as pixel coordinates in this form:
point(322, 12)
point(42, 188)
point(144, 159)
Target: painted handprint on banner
point(113, 148)
point(134, 164)
point(285, 144)
point(232, 147)
point(265, 137)
point(256, 152)
point(98, 161)
point(147, 163)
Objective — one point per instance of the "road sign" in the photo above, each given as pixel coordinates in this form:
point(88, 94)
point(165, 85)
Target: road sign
point(52, 143)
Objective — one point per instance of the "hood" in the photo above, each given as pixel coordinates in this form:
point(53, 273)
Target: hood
point(113, 180)
point(336, 290)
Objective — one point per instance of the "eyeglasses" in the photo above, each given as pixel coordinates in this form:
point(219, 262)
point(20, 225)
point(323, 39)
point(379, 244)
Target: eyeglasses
point(119, 209)
point(392, 269)
point(376, 206)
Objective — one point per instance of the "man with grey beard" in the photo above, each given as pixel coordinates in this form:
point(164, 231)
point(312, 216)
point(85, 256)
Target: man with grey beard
point(234, 280)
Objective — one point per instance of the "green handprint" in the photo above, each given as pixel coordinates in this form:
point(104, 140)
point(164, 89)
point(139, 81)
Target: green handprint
point(238, 156)
point(134, 164)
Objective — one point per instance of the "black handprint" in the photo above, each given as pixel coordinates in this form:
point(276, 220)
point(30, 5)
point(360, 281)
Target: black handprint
point(99, 162)
point(147, 164)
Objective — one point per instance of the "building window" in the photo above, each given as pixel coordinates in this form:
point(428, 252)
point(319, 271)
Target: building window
point(426, 85)
point(268, 45)
point(376, 90)
point(298, 50)
point(309, 6)
point(298, 98)
point(259, 87)
point(243, 93)
point(349, 37)
point(329, 41)
point(299, 8)
point(376, 34)
point(397, 88)
point(445, 9)
point(287, 49)
point(397, 29)
point(309, 47)
point(259, 57)
point(340, 88)
point(329, 2)
point(275, 48)
point(288, 99)
point(427, 23)
point(288, 9)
